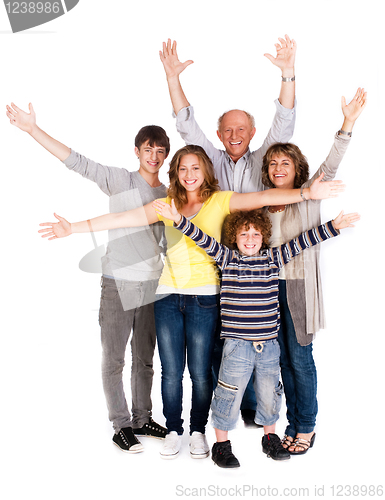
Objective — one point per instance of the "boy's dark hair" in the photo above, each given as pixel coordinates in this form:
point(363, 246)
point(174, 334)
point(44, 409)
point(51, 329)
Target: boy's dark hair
point(293, 152)
point(240, 219)
point(156, 136)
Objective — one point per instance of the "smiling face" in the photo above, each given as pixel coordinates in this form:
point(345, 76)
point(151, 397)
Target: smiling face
point(190, 173)
point(249, 241)
point(236, 132)
point(282, 171)
point(151, 158)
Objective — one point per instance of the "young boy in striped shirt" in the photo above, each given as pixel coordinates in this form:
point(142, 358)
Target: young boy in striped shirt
point(250, 317)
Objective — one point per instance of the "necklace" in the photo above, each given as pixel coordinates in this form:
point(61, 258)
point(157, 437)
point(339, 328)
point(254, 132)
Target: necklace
point(273, 210)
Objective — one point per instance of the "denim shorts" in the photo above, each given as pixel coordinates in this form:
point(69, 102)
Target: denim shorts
point(241, 359)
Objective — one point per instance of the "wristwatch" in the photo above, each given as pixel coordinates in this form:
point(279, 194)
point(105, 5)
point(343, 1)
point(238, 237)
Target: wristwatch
point(342, 132)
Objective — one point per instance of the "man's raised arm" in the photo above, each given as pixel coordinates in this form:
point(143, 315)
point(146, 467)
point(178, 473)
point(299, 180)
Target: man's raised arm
point(186, 125)
point(173, 68)
point(285, 60)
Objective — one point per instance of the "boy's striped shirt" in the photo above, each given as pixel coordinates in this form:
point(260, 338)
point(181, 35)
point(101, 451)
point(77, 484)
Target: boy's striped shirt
point(249, 289)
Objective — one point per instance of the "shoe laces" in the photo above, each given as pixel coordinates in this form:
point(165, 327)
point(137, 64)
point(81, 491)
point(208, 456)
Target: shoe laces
point(274, 442)
point(225, 450)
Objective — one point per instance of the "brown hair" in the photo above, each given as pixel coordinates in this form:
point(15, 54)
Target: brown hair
point(210, 184)
point(240, 219)
point(155, 135)
point(295, 154)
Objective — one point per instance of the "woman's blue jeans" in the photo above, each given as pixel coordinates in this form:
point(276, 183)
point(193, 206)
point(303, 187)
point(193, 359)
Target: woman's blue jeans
point(298, 373)
point(185, 328)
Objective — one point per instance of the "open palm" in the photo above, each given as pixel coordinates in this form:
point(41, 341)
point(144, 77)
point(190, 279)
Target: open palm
point(169, 58)
point(24, 121)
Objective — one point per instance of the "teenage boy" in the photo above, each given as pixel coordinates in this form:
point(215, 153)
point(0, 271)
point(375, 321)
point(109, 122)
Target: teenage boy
point(237, 168)
point(250, 317)
point(131, 268)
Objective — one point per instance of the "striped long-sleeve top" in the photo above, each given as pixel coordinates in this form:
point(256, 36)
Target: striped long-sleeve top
point(249, 289)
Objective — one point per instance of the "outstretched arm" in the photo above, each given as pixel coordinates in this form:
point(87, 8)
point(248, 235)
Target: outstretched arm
point(286, 252)
point(341, 142)
point(285, 60)
point(141, 216)
point(173, 68)
point(318, 190)
point(209, 244)
point(353, 110)
point(345, 220)
point(27, 122)
point(167, 211)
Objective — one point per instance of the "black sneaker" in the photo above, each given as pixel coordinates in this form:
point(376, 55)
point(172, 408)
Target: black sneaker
point(272, 446)
point(151, 429)
point(223, 456)
point(248, 418)
point(126, 441)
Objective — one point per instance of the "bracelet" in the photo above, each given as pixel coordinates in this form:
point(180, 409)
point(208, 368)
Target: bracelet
point(302, 195)
point(342, 132)
point(288, 79)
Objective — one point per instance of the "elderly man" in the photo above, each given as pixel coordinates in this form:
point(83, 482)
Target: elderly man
point(237, 168)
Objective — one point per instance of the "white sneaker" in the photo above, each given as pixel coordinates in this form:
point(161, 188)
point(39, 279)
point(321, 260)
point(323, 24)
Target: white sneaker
point(198, 445)
point(171, 446)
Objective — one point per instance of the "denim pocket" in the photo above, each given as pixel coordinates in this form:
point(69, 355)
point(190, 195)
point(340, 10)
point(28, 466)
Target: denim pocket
point(278, 398)
point(207, 301)
point(223, 400)
point(229, 347)
point(109, 292)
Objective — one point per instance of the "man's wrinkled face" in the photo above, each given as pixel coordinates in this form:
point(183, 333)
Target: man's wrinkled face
point(236, 133)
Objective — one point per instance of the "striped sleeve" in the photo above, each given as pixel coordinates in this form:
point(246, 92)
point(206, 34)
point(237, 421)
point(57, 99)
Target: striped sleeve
point(220, 253)
point(286, 252)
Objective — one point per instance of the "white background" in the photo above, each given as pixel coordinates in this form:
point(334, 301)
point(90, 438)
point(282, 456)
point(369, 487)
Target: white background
point(94, 78)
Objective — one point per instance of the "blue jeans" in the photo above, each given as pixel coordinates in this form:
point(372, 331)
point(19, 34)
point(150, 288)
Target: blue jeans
point(249, 400)
point(185, 328)
point(241, 358)
point(299, 373)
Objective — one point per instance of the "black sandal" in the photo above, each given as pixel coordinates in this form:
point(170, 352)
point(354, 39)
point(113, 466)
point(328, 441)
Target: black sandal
point(287, 441)
point(302, 443)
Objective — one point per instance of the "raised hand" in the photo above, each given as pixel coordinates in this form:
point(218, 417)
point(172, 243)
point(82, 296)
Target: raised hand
point(321, 190)
point(345, 220)
point(167, 211)
point(56, 229)
point(24, 121)
point(169, 57)
point(353, 110)
point(285, 57)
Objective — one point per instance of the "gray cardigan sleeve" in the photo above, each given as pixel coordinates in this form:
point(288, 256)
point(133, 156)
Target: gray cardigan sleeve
point(333, 160)
point(107, 178)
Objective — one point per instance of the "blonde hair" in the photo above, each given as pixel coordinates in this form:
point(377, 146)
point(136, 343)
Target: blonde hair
point(210, 184)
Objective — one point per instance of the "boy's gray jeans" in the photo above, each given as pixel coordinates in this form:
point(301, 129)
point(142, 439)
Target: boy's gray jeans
point(125, 307)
